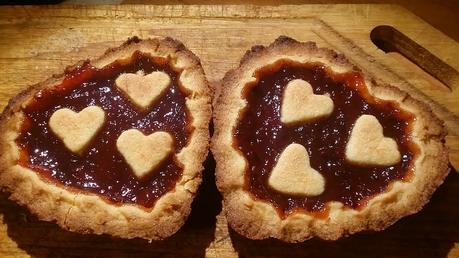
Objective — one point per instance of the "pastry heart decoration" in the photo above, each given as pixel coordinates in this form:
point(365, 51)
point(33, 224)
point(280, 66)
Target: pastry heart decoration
point(367, 145)
point(294, 175)
point(76, 130)
point(300, 104)
point(144, 153)
point(141, 89)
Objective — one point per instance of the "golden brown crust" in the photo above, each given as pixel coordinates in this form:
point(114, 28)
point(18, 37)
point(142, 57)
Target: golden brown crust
point(259, 219)
point(88, 213)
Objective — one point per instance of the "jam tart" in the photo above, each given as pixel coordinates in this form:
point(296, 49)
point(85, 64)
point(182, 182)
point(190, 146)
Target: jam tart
point(308, 145)
point(115, 145)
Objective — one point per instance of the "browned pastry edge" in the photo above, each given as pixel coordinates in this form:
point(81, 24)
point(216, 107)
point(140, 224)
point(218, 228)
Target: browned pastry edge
point(258, 219)
point(82, 212)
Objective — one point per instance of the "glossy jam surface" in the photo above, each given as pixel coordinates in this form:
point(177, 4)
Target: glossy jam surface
point(101, 169)
point(261, 137)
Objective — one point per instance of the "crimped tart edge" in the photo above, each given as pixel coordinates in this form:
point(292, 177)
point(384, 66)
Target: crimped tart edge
point(257, 219)
point(89, 213)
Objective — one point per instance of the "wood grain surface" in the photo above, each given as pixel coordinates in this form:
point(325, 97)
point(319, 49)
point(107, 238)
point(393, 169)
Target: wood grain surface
point(442, 14)
point(36, 42)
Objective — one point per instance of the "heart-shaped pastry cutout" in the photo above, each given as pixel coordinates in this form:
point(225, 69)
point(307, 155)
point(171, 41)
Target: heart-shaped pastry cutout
point(144, 153)
point(142, 89)
point(76, 130)
point(300, 104)
point(367, 145)
point(294, 175)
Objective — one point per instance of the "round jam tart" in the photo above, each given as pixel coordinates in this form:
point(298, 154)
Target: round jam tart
point(307, 144)
point(114, 145)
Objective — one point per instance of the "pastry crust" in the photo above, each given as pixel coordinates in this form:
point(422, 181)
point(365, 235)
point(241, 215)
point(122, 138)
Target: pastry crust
point(75, 210)
point(258, 219)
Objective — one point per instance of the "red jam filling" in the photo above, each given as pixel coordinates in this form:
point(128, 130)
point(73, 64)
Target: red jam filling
point(101, 169)
point(261, 137)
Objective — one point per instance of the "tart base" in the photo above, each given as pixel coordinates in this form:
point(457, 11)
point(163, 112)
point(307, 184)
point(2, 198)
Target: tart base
point(258, 219)
point(81, 212)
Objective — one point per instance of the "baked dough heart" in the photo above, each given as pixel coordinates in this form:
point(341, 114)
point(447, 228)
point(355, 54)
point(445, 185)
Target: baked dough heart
point(300, 104)
point(142, 89)
point(294, 175)
point(367, 145)
point(76, 130)
point(144, 153)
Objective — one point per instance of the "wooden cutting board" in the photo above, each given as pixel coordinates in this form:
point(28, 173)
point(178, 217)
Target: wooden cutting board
point(36, 42)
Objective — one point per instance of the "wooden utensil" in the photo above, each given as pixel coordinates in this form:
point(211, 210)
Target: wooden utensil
point(390, 39)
